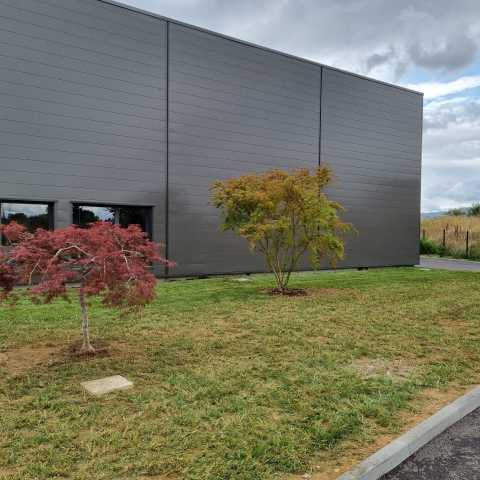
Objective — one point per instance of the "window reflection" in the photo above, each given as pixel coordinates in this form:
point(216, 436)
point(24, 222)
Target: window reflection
point(30, 215)
point(83, 215)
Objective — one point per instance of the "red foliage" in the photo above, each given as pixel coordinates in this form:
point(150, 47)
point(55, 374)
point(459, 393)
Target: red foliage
point(7, 275)
point(13, 232)
point(106, 260)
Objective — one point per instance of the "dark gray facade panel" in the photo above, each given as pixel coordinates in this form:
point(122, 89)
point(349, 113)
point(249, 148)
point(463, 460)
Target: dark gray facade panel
point(377, 167)
point(233, 109)
point(103, 104)
point(82, 106)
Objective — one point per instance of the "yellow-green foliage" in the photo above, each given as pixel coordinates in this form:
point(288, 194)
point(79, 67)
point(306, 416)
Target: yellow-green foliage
point(283, 215)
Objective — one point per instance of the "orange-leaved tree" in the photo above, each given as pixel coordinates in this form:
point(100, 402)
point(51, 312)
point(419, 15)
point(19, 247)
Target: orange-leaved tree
point(283, 215)
point(104, 259)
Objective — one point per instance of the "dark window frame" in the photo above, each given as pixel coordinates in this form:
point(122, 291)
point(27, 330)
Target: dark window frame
point(148, 210)
point(50, 211)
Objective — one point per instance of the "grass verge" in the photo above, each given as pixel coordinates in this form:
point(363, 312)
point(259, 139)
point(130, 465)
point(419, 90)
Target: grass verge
point(231, 383)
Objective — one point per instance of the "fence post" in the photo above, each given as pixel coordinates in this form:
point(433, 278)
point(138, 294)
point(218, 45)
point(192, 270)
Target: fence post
point(443, 242)
point(423, 234)
point(466, 250)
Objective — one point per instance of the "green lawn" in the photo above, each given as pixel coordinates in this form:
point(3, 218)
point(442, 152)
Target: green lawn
point(232, 383)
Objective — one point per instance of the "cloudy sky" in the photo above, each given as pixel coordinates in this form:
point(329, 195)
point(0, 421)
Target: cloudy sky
point(427, 45)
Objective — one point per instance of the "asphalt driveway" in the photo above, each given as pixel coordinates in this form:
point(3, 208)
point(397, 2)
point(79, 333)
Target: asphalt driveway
point(453, 455)
point(450, 264)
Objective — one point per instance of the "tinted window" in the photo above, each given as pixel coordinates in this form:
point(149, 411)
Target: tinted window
point(119, 215)
point(31, 215)
point(85, 214)
point(135, 216)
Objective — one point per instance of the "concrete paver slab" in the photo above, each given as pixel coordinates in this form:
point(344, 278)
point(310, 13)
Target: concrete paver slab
point(106, 385)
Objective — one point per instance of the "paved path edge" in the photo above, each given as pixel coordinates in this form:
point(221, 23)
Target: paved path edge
point(400, 449)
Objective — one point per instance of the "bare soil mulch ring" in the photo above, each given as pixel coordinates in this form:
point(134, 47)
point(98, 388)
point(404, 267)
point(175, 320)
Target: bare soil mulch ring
point(287, 292)
point(20, 360)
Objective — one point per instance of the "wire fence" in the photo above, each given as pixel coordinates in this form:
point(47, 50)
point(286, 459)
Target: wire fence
point(454, 240)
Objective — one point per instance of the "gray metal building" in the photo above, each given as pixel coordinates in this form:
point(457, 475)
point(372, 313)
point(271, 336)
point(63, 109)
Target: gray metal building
point(104, 108)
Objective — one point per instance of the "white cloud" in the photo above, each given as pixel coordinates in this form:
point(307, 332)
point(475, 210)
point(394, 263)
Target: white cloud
point(451, 159)
point(439, 89)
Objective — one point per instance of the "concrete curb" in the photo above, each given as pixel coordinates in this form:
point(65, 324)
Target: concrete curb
point(400, 449)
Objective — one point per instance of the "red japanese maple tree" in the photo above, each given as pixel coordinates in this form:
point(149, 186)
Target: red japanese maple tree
point(104, 259)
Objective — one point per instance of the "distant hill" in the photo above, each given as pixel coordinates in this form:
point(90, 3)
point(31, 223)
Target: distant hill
point(435, 214)
point(439, 213)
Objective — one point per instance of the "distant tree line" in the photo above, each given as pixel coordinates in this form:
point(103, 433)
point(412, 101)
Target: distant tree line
point(473, 211)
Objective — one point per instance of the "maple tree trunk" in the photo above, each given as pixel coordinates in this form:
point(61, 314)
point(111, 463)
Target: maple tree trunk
point(87, 346)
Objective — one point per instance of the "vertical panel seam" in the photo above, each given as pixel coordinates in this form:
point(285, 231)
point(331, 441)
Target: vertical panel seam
point(167, 140)
point(320, 119)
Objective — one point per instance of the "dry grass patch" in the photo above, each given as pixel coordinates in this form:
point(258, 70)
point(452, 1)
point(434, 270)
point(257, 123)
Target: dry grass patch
point(395, 369)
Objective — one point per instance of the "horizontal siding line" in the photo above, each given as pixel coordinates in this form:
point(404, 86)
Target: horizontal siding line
point(179, 209)
point(341, 142)
point(241, 171)
point(83, 142)
point(361, 102)
point(345, 79)
point(358, 114)
point(84, 73)
point(339, 147)
point(271, 73)
point(346, 111)
point(92, 109)
point(160, 90)
point(91, 97)
point(358, 189)
point(266, 155)
point(71, 187)
point(371, 133)
point(373, 200)
point(138, 19)
point(72, 175)
point(342, 138)
point(291, 85)
point(235, 81)
point(149, 139)
point(212, 219)
point(189, 37)
point(160, 170)
point(352, 96)
point(229, 103)
point(223, 121)
point(123, 35)
point(3, 144)
point(346, 183)
point(153, 130)
point(242, 115)
point(83, 61)
point(246, 134)
point(88, 50)
point(208, 137)
point(343, 109)
point(379, 170)
point(226, 111)
point(69, 34)
point(371, 166)
point(310, 103)
point(334, 99)
point(403, 196)
point(351, 122)
point(190, 155)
